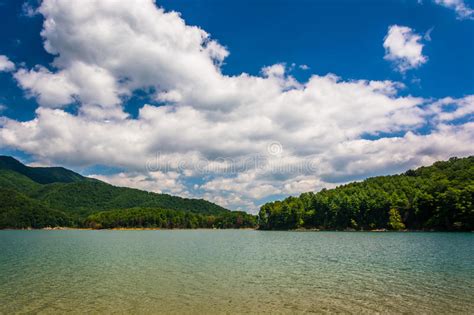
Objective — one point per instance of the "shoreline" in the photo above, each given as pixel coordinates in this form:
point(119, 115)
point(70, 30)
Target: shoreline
point(60, 228)
point(212, 229)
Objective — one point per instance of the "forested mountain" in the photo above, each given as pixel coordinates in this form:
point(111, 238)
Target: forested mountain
point(56, 196)
point(42, 175)
point(438, 197)
point(86, 197)
point(19, 211)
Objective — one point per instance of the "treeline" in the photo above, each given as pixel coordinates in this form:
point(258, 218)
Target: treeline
point(168, 219)
point(438, 197)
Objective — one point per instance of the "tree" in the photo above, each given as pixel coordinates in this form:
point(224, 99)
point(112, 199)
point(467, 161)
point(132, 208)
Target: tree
point(395, 220)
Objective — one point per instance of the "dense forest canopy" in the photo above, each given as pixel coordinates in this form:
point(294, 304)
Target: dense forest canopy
point(169, 219)
point(18, 211)
point(438, 197)
point(40, 197)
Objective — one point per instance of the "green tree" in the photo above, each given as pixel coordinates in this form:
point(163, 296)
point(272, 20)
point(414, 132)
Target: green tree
point(395, 220)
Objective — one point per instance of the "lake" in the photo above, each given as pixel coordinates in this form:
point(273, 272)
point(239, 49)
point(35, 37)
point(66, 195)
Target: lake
point(235, 271)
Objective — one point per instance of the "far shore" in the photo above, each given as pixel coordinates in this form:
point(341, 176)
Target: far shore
point(61, 228)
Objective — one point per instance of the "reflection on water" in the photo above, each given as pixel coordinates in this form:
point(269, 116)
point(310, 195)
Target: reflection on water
point(208, 271)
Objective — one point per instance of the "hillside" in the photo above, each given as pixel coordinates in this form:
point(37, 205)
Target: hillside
point(41, 175)
point(438, 197)
point(19, 211)
point(57, 190)
point(86, 197)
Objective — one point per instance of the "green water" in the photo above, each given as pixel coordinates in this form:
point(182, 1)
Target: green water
point(231, 271)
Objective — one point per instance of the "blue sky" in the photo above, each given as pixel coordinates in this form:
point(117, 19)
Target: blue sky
point(165, 89)
point(341, 37)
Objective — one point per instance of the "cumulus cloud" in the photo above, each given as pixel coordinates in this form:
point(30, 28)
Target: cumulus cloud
point(158, 182)
point(449, 109)
point(463, 11)
point(5, 64)
point(90, 85)
point(403, 47)
point(50, 89)
point(213, 135)
point(108, 49)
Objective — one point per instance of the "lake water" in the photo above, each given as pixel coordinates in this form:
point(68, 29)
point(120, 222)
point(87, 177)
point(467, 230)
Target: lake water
point(232, 271)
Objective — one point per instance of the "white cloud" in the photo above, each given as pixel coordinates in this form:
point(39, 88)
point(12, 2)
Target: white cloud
point(125, 46)
point(463, 11)
point(2, 107)
point(212, 126)
point(304, 67)
point(50, 89)
point(459, 108)
point(158, 182)
point(93, 86)
point(276, 70)
point(5, 64)
point(404, 48)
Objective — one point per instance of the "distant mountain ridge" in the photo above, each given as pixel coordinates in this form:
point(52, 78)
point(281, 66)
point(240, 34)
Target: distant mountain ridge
point(51, 196)
point(41, 175)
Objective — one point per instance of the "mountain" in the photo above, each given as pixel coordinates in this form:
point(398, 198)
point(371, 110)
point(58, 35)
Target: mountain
point(59, 195)
point(438, 197)
point(86, 197)
point(41, 175)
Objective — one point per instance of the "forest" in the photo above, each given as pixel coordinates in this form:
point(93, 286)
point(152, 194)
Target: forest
point(38, 197)
point(438, 197)
point(168, 219)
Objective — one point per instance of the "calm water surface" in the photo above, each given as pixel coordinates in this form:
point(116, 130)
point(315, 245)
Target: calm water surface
point(231, 271)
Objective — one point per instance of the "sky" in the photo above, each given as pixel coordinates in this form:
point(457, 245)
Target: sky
point(237, 102)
